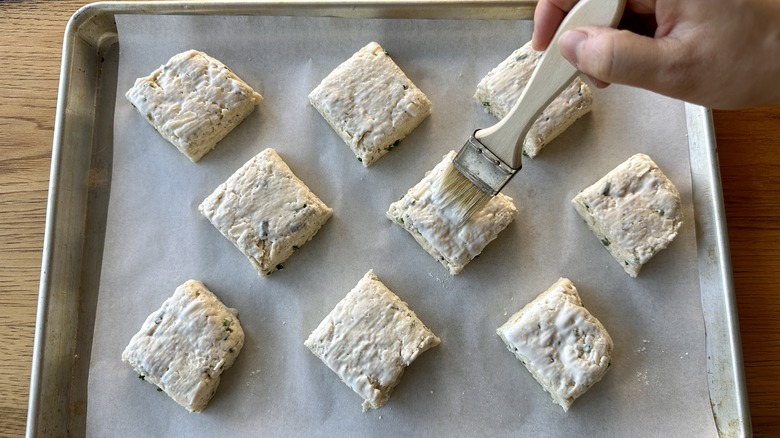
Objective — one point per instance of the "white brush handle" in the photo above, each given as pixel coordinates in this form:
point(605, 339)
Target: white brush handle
point(552, 74)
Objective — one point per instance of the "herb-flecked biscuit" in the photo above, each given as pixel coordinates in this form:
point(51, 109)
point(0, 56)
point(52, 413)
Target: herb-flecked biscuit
point(634, 210)
point(370, 103)
point(265, 211)
point(184, 347)
point(369, 339)
point(422, 213)
point(193, 101)
point(501, 88)
point(565, 348)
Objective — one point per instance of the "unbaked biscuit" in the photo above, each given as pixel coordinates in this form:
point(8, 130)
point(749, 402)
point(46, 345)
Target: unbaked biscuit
point(565, 348)
point(436, 228)
point(370, 103)
point(265, 211)
point(634, 210)
point(193, 101)
point(184, 347)
point(501, 88)
point(369, 339)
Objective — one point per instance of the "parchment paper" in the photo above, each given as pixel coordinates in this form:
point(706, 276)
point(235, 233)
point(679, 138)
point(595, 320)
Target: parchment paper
point(468, 386)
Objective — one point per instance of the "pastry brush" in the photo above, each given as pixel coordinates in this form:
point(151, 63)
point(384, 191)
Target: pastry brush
point(492, 156)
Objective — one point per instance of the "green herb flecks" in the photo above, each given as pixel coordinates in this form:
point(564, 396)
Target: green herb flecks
point(295, 227)
point(605, 241)
point(607, 187)
point(264, 229)
point(226, 323)
point(521, 57)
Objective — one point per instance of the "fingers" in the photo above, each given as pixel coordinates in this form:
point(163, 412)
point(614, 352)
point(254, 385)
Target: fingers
point(547, 17)
point(549, 14)
point(641, 6)
point(614, 56)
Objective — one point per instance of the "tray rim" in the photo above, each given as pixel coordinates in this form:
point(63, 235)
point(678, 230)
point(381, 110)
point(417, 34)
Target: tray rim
point(94, 26)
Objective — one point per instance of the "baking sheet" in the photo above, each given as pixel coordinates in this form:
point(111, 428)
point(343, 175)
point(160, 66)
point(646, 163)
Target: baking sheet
point(155, 240)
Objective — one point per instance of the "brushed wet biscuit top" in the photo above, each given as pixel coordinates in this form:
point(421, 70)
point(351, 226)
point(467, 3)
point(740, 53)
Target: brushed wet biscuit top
point(370, 103)
point(184, 347)
point(421, 212)
point(565, 348)
point(193, 101)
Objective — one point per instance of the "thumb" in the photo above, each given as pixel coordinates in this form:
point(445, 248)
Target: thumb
point(610, 55)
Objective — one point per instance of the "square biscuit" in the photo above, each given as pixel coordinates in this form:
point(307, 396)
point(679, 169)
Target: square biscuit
point(193, 101)
point(370, 103)
point(184, 347)
point(265, 211)
point(501, 88)
point(435, 227)
point(634, 210)
point(565, 348)
point(369, 339)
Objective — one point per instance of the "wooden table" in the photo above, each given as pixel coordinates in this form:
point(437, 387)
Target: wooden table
point(31, 35)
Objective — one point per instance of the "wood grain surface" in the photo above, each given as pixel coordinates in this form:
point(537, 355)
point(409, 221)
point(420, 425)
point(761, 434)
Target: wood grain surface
point(31, 35)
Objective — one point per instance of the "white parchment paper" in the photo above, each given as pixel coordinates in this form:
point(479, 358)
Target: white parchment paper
point(468, 386)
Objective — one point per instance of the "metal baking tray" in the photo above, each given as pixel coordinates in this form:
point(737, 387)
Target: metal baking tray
point(79, 190)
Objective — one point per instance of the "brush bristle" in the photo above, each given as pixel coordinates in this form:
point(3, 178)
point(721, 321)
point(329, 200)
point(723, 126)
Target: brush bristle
point(461, 195)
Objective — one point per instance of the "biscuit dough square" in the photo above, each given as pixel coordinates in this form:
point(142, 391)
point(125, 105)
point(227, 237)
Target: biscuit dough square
point(265, 211)
point(436, 229)
point(565, 348)
point(193, 101)
point(184, 347)
point(369, 339)
point(501, 88)
point(370, 103)
point(634, 210)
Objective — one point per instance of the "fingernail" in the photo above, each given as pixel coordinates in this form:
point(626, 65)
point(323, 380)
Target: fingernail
point(569, 45)
point(597, 82)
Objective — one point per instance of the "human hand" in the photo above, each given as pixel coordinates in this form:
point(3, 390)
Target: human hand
point(717, 53)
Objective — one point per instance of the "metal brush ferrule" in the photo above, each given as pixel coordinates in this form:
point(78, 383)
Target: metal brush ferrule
point(483, 168)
